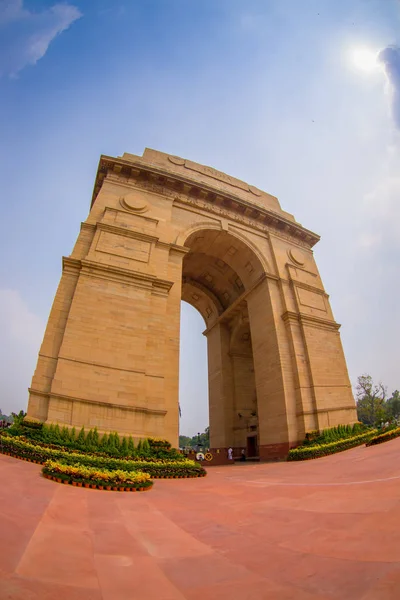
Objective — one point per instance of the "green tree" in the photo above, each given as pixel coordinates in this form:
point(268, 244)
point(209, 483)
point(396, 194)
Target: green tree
point(184, 441)
point(96, 440)
point(393, 405)
point(80, 440)
point(111, 444)
point(104, 443)
point(131, 446)
point(145, 447)
point(57, 434)
point(72, 435)
point(124, 447)
point(18, 417)
point(65, 435)
point(371, 408)
point(200, 439)
point(89, 441)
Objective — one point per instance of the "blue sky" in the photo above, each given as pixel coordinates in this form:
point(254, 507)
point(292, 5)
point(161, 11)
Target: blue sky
point(266, 90)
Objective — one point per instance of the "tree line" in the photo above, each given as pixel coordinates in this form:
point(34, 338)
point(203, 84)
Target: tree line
point(374, 406)
point(200, 440)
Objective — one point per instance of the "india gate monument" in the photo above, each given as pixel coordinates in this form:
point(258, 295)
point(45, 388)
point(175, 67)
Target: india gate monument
point(162, 229)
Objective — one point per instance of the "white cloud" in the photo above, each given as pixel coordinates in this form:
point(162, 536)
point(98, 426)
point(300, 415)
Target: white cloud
point(26, 35)
point(21, 336)
point(382, 206)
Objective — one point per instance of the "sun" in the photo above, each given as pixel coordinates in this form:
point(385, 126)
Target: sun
point(365, 59)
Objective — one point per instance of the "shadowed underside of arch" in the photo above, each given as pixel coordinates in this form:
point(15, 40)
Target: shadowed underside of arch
point(161, 229)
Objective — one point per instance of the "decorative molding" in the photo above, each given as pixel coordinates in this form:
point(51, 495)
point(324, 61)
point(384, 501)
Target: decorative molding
point(134, 203)
point(71, 265)
point(88, 226)
point(122, 231)
point(72, 399)
point(296, 256)
point(147, 221)
point(159, 287)
point(318, 412)
point(306, 286)
point(310, 320)
point(103, 366)
point(173, 248)
point(169, 183)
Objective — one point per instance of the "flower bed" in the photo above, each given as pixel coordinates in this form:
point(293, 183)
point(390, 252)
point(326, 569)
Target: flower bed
point(39, 453)
point(309, 452)
point(384, 437)
point(81, 476)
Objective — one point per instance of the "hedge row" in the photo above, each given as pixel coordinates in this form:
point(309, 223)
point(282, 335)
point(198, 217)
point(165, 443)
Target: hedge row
point(308, 452)
point(23, 449)
point(334, 434)
point(71, 450)
point(384, 437)
point(89, 477)
point(93, 442)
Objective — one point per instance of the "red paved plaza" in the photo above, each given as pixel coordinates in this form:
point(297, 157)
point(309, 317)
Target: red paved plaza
point(328, 528)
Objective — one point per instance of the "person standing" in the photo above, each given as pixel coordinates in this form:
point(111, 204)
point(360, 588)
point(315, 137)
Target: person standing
point(230, 454)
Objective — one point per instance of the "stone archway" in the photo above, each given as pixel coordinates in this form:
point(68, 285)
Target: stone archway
point(162, 229)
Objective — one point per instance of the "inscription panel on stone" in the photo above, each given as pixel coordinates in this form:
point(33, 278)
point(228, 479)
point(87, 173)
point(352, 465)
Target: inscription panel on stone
point(127, 247)
point(311, 299)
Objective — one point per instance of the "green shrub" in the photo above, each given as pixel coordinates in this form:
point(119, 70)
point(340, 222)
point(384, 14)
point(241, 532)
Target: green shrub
point(90, 441)
point(334, 434)
point(131, 446)
point(384, 437)
point(124, 450)
point(80, 440)
point(316, 451)
point(156, 468)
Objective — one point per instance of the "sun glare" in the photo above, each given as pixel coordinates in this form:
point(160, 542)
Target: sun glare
point(365, 59)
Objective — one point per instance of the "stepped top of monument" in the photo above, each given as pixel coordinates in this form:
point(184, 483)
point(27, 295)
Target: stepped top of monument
point(219, 181)
point(202, 184)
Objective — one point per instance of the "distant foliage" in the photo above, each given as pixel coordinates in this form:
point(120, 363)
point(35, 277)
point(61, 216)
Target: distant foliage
point(201, 440)
point(373, 406)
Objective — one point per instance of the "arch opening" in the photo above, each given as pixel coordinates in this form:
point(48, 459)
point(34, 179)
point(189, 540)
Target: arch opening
point(217, 273)
point(193, 371)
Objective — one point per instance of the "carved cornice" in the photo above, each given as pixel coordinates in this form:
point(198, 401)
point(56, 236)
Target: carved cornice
point(88, 226)
point(310, 320)
point(204, 195)
point(331, 409)
point(142, 409)
point(173, 248)
point(138, 235)
point(159, 287)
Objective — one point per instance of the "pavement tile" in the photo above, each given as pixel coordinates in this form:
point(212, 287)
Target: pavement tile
point(319, 530)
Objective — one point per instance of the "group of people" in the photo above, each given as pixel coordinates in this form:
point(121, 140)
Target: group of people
point(242, 455)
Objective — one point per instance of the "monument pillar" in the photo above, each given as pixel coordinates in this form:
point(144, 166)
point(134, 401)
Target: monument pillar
point(220, 387)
